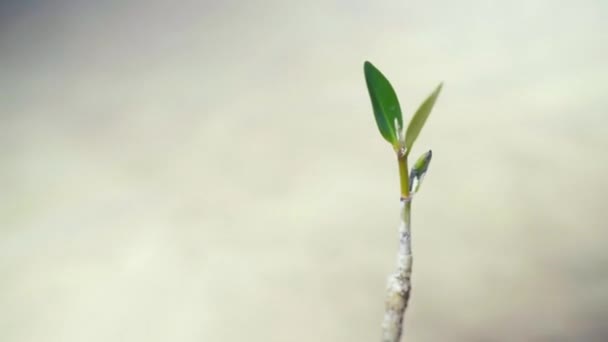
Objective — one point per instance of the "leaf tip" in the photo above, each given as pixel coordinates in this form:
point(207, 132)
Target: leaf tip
point(368, 68)
point(439, 87)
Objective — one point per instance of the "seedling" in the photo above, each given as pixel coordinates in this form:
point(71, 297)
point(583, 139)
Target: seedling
point(387, 113)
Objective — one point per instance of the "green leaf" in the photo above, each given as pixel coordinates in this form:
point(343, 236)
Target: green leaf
point(419, 170)
point(418, 120)
point(385, 103)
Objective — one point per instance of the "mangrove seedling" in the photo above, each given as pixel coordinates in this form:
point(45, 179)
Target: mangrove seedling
point(387, 113)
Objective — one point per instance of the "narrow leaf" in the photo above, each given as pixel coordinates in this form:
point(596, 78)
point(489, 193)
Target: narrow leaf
point(419, 118)
point(419, 170)
point(384, 102)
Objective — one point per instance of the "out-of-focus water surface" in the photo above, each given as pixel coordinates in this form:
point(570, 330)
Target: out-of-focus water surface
point(211, 170)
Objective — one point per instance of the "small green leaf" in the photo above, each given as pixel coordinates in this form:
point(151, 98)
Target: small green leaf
point(419, 170)
point(419, 118)
point(385, 103)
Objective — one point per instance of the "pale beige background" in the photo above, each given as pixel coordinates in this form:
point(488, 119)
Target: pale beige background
point(211, 170)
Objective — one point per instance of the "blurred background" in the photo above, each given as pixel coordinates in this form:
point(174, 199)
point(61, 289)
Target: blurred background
point(211, 170)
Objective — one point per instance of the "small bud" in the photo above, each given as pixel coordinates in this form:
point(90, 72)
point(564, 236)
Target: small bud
point(419, 170)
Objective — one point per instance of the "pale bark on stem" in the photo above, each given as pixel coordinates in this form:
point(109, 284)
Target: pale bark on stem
point(399, 283)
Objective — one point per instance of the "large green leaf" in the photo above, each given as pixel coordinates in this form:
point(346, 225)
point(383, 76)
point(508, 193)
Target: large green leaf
point(418, 120)
point(385, 103)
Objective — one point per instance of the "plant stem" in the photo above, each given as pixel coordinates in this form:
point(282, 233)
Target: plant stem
point(403, 174)
point(399, 283)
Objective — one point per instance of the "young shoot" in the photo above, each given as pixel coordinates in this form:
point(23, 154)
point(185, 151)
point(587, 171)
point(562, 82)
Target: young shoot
point(387, 113)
